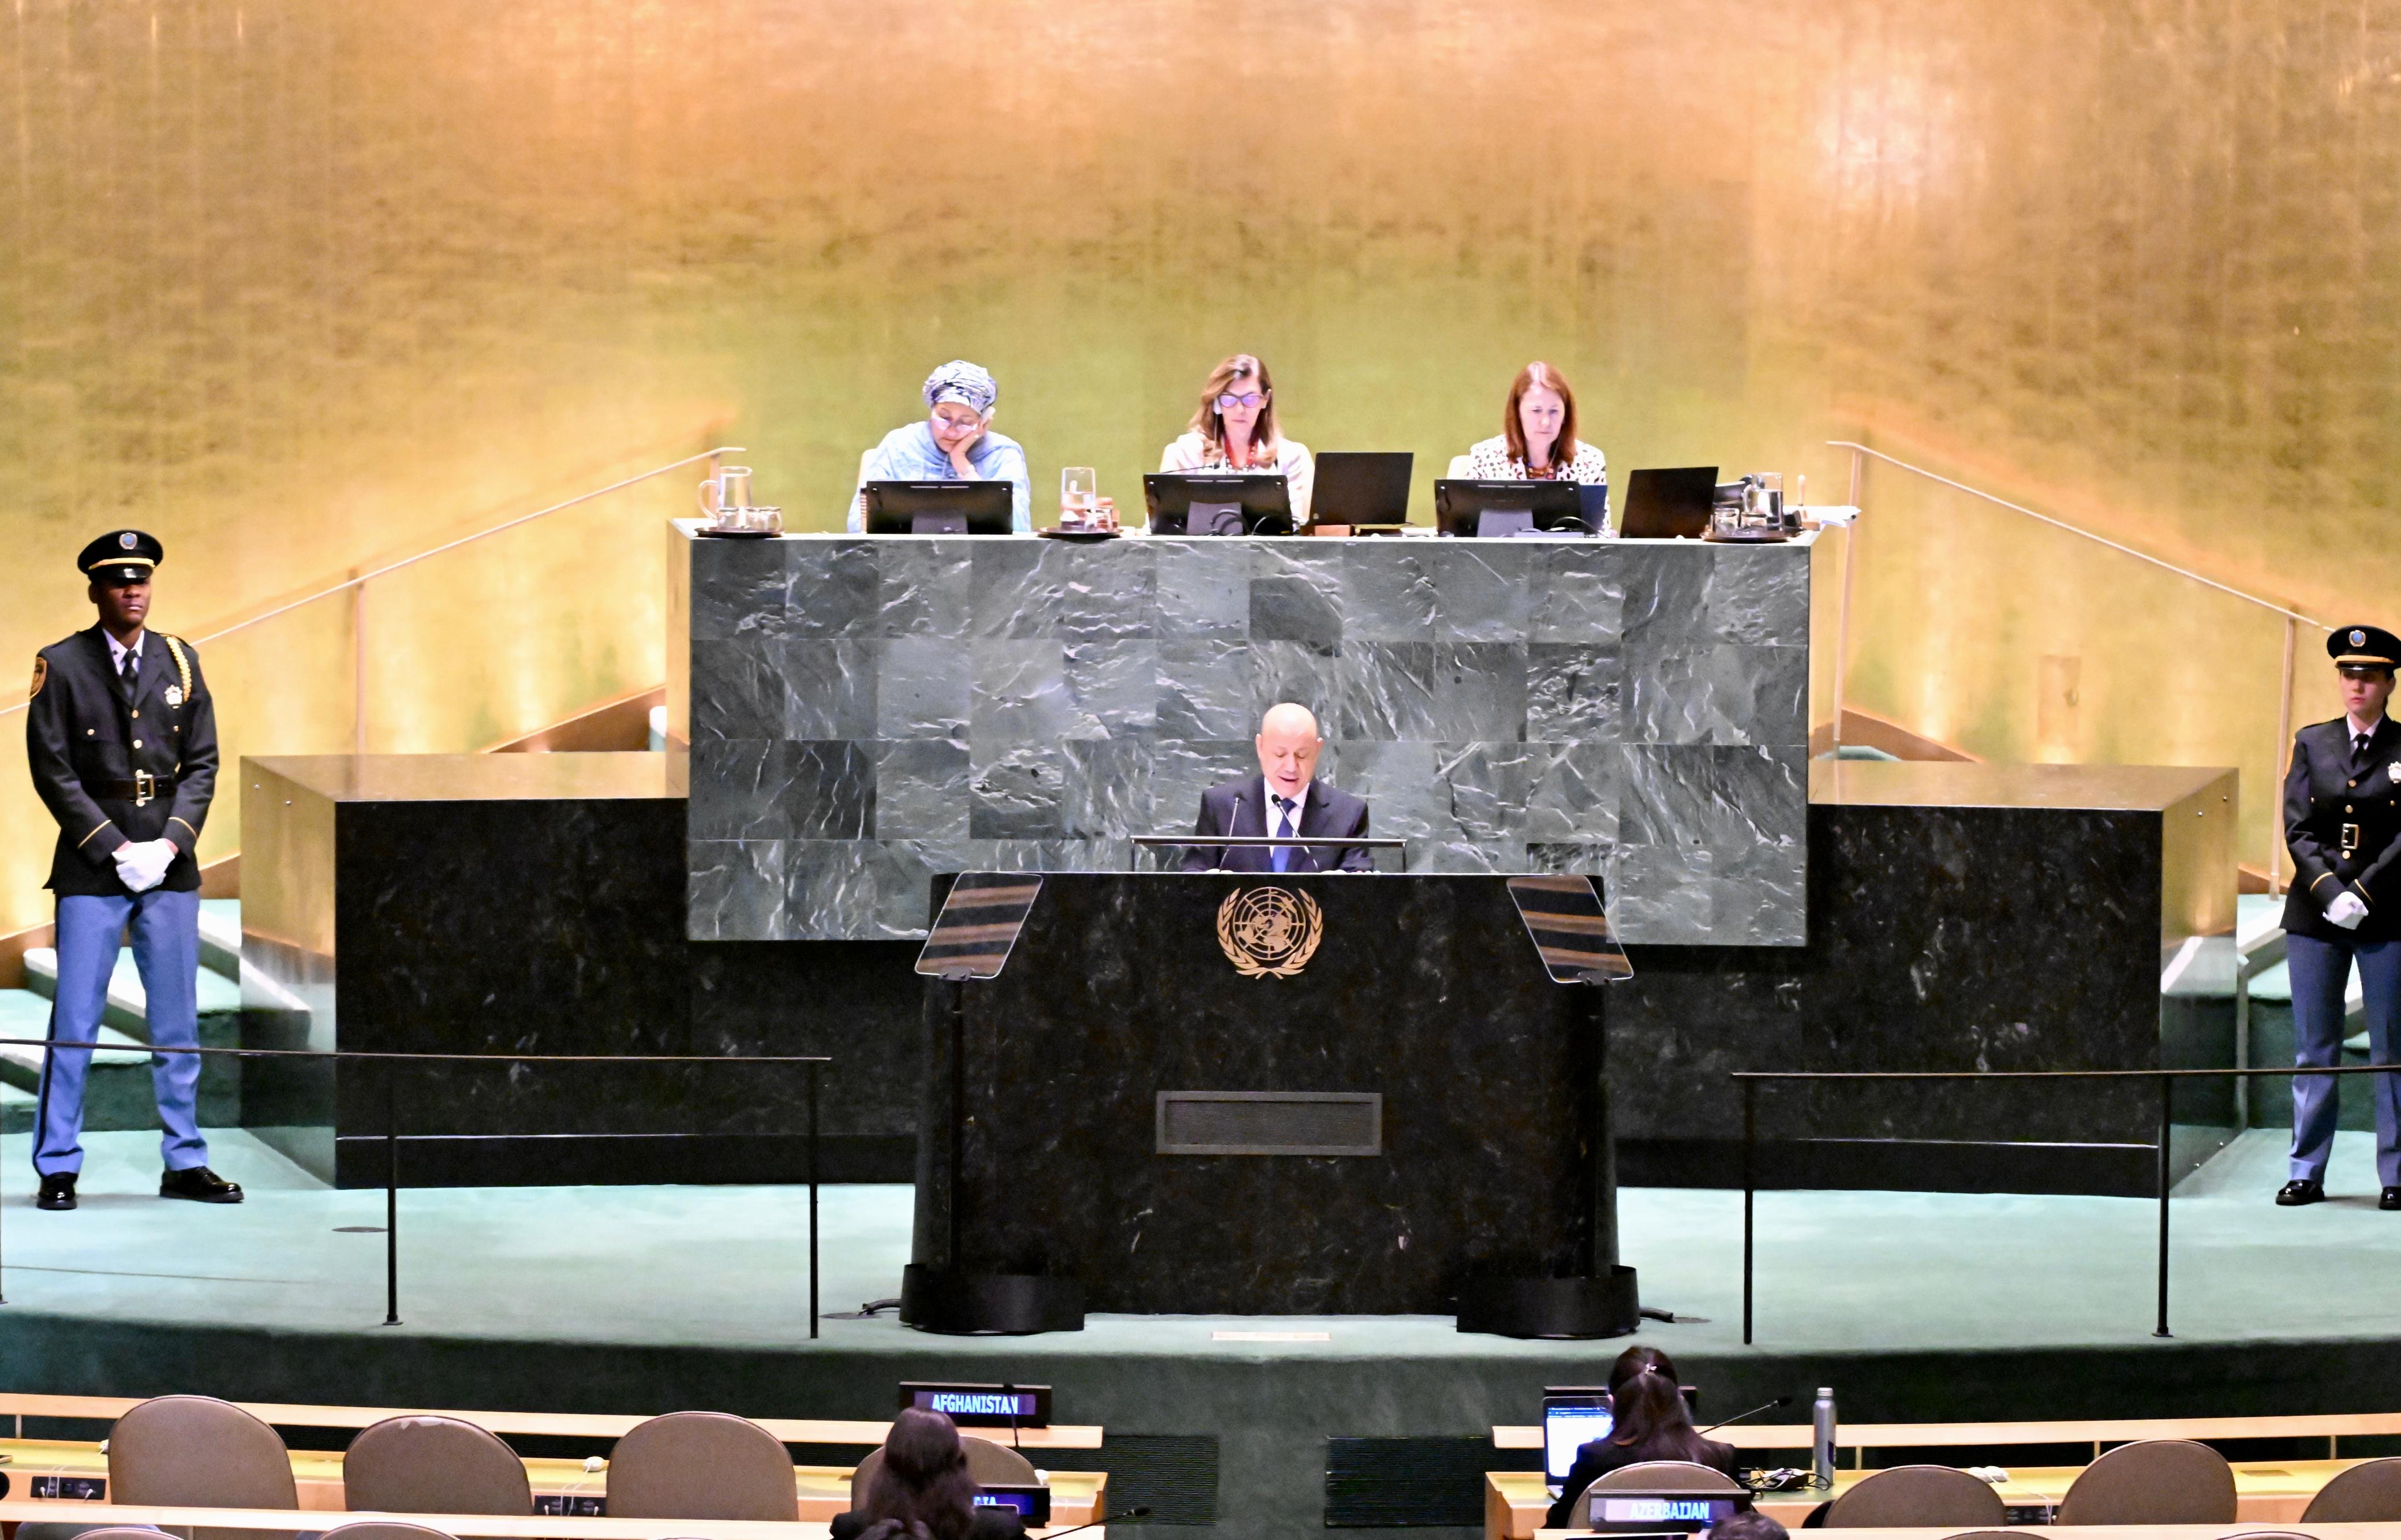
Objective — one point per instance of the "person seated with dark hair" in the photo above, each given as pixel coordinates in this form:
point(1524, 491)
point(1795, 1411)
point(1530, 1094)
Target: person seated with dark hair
point(923, 1490)
point(1652, 1424)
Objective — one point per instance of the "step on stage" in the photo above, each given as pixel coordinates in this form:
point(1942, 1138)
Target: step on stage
point(1913, 1306)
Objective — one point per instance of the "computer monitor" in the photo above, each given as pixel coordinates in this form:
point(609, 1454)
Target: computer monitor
point(1032, 1504)
point(1354, 487)
point(1495, 509)
point(1568, 1424)
point(939, 507)
point(1217, 502)
point(1669, 503)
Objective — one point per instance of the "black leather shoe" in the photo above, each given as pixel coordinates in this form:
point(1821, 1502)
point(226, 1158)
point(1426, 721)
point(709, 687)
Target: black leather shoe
point(200, 1184)
point(2390, 1200)
point(58, 1192)
point(2297, 1192)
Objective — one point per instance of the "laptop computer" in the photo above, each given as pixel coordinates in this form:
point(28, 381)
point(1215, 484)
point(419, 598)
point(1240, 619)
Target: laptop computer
point(1356, 488)
point(1669, 504)
point(1569, 1421)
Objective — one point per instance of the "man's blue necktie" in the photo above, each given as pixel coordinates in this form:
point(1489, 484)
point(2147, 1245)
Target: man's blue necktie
point(1283, 831)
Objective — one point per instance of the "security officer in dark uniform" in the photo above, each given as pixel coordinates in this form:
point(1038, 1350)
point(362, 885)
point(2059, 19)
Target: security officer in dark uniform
point(123, 737)
point(2342, 822)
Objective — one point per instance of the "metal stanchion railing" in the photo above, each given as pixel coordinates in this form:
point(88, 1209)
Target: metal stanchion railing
point(393, 1137)
point(1750, 1079)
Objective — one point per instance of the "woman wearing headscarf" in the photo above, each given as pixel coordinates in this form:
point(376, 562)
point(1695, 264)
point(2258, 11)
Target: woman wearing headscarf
point(955, 442)
point(1235, 430)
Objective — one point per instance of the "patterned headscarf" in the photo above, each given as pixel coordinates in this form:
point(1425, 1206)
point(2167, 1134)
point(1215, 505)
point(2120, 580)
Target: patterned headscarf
point(968, 384)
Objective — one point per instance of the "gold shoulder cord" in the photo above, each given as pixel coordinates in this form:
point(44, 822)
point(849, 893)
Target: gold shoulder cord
point(183, 665)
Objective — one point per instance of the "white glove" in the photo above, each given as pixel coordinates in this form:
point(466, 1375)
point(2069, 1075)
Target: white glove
point(143, 866)
point(2347, 910)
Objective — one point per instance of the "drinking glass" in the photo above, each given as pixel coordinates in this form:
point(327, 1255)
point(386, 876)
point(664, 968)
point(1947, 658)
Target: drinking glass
point(1080, 490)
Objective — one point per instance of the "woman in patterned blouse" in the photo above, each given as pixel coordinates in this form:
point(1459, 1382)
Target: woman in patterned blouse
point(1235, 430)
point(1538, 435)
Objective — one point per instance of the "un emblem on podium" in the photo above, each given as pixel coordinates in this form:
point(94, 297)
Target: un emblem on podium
point(1270, 932)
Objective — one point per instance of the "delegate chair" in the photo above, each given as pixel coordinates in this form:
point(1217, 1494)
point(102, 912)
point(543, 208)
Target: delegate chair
point(1658, 1476)
point(2158, 1481)
point(197, 1451)
point(989, 1464)
point(432, 1464)
point(702, 1464)
point(1917, 1498)
point(2368, 1494)
point(388, 1528)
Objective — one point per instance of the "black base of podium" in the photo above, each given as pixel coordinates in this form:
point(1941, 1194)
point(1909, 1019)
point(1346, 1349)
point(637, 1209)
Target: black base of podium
point(988, 1304)
point(1551, 1307)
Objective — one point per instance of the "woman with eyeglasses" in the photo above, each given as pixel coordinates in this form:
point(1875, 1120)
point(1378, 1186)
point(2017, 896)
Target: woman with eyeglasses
point(1235, 430)
point(1538, 435)
point(955, 442)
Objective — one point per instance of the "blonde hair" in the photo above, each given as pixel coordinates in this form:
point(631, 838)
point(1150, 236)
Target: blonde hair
point(1210, 423)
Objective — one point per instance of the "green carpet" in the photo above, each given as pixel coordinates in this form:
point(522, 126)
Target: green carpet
point(1913, 1306)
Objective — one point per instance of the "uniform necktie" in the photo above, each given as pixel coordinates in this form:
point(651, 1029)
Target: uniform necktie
point(129, 676)
point(2359, 745)
point(1283, 831)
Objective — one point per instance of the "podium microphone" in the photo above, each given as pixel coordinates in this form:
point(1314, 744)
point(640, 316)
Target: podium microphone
point(1133, 1516)
point(1765, 1406)
point(1231, 824)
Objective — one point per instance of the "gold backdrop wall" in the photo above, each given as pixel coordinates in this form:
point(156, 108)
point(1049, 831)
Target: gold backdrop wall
point(299, 284)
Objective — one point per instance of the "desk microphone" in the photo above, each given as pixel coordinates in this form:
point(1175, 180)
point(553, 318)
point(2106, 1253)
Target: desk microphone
point(1765, 1406)
point(1131, 1516)
point(1231, 824)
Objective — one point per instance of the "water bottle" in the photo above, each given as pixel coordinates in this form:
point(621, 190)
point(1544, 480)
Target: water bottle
point(1823, 1452)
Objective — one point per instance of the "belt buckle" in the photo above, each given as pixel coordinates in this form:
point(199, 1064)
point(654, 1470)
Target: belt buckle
point(145, 786)
point(2350, 838)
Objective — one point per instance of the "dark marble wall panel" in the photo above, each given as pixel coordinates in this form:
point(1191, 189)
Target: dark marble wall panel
point(1048, 701)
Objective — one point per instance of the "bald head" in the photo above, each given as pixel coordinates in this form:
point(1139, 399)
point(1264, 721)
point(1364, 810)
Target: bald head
point(1288, 744)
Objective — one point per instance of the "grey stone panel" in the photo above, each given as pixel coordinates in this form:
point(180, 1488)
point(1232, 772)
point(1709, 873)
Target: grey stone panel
point(1296, 593)
point(831, 793)
point(1203, 589)
point(1716, 692)
point(735, 890)
point(739, 789)
point(1388, 594)
point(1017, 791)
point(1481, 590)
point(739, 588)
point(1575, 693)
point(828, 688)
point(1204, 691)
point(921, 788)
point(924, 589)
point(956, 702)
point(922, 687)
point(1384, 694)
point(1479, 690)
point(737, 688)
point(833, 589)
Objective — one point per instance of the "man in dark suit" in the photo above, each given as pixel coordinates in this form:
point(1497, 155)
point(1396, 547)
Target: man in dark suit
point(121, 735)
point(2342, 823)
point(1284, 798)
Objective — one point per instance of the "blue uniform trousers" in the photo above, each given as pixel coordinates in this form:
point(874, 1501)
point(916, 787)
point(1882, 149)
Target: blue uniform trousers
point(2321, 971)
point(167, 950)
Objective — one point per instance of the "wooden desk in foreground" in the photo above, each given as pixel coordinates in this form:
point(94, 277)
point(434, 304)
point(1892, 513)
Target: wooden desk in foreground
point(2266, 1492)
point(562, 1486)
